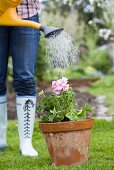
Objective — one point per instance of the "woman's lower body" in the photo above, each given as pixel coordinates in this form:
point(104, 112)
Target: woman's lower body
point(22, 43)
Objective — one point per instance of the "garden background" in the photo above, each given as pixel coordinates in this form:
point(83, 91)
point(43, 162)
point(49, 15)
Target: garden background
point(91, 24)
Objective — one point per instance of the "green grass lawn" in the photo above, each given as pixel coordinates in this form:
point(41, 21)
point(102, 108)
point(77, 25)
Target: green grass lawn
point(101, 155)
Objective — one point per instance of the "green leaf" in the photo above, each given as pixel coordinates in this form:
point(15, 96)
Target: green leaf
point(70, 106)
point(41, 94)
point(56, 116)
point(59, 117)
point(72, 116)
point(45, 118)
point(52, 115)
point(51, 118)
point(84, 110)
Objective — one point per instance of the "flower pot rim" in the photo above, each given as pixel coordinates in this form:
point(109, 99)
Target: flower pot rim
point(66, 126)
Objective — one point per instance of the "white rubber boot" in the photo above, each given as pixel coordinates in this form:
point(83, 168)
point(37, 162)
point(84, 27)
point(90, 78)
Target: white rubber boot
point(26, 116)
point(3, 122)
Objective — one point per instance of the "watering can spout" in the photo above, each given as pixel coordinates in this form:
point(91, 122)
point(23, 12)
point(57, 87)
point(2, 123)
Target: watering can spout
point(9, 17)
point(50, 31)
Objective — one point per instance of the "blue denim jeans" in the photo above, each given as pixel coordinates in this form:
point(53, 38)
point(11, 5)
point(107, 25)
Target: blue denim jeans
point(22, 43)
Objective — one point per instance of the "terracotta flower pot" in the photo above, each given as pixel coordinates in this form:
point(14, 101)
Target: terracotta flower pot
point(68, 142)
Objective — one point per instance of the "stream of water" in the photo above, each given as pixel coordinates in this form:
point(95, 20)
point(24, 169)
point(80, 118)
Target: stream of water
point(62, 50)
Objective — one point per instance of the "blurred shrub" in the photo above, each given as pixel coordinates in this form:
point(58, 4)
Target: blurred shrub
point(53, 6)
point(94, 55)
point(81, 72)
point(107, 81)
point(101, 61)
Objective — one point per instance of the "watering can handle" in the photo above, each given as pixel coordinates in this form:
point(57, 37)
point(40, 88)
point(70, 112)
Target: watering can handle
point(10, 18)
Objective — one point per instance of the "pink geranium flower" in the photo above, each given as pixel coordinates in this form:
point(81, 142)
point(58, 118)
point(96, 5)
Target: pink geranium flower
point(66, 87)
point(59, 85)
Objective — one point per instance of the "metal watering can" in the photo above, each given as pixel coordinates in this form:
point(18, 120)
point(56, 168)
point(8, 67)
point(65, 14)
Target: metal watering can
point(9, 17)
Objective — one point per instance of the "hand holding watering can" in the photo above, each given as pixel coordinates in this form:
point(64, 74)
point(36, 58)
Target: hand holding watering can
point(9, 17)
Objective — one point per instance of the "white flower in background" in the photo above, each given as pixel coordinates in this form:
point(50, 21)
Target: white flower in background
point(68, 2)
point(89, 9)
point(90, 22)
point(105, 33)
point(65, 1)
point(97, 21)
point(91, 2)
point(99, 4)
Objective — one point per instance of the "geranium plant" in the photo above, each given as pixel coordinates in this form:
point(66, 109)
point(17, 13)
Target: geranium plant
point(60, 105)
